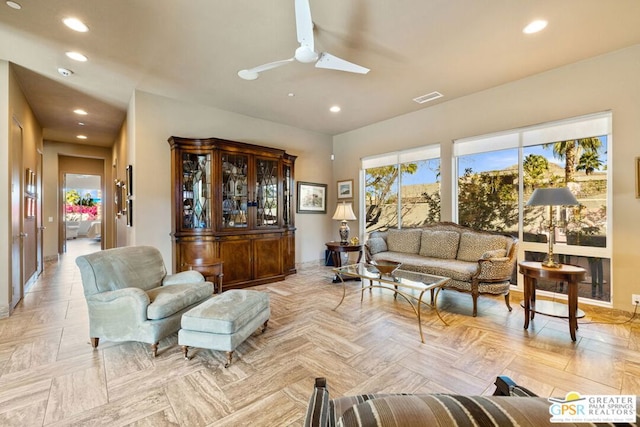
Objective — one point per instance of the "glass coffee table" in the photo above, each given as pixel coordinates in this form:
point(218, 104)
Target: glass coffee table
point(401, 282)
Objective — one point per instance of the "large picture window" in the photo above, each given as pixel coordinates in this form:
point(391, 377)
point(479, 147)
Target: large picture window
point(581, 165)
point(402, 189)
point(496, 175)
point(488, 191)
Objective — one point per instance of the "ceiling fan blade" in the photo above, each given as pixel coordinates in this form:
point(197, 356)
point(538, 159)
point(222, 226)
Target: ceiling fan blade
point(253, 73)
point(304, 24)
point(305, 53)
point(331, 62)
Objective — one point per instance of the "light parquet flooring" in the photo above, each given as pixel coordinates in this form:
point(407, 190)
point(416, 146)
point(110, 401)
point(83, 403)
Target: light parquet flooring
point(50, 375)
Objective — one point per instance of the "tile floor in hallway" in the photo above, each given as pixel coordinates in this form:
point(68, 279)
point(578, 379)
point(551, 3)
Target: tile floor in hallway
point(50, 375)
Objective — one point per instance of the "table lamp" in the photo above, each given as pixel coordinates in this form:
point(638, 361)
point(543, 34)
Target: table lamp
point(344, 213)
point(551, 197)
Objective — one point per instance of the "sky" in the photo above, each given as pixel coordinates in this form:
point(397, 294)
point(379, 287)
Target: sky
point(494, 160)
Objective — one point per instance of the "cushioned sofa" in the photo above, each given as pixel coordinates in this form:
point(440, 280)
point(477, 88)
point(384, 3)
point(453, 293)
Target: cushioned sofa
point(510, 405)
point(131, 297)
point(476, 261)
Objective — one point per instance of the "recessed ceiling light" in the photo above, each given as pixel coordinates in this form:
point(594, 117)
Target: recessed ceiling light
point(14, 5)
point(65, 71)
point(335, 109)
point(76, 25)
point(81, 137)
point(80, 111)
point(535, 26)
point(291, 94)
point(80, 124)
point(76, 56)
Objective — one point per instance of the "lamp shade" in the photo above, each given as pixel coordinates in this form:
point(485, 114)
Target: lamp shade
point(552, 197)
point(344, 212)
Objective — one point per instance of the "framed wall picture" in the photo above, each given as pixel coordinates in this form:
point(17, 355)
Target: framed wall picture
point(30, 181)
point(637, 177)
point(129, 181)
point(129, 213)
point(29, 207)
point(119, 197)
point(345, 189)
point(312, 198)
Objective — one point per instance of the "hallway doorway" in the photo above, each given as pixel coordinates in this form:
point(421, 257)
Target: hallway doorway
point(83, 208)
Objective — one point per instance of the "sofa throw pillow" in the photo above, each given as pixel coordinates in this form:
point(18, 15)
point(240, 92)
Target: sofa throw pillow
point(439, 244)
point(474, 245)
point(405, 240)
point(496, 253)
point(376, 245)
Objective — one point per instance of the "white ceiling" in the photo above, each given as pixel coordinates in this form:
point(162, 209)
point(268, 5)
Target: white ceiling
point(192, 50)
point(82, 182)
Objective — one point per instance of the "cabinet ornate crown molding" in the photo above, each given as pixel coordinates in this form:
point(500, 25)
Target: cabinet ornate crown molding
point(233, 201)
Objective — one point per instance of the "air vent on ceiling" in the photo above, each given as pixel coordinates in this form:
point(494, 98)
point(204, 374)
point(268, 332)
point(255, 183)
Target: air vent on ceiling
point(428, 97)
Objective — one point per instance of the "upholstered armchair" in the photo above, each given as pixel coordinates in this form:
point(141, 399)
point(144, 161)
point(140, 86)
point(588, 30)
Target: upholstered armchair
point(130, 297)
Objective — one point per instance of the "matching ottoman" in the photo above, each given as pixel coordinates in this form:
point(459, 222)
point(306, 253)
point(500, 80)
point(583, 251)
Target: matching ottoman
point(224, 321)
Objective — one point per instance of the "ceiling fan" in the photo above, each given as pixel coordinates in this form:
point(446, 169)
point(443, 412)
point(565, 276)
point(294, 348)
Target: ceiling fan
point(305, 53)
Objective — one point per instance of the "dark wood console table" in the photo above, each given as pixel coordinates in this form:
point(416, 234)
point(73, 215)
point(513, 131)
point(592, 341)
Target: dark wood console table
point(532, 271)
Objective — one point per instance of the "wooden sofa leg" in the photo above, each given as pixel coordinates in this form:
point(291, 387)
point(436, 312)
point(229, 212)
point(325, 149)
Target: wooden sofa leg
point(94, 342)
point(264, 326)
point(229, 359)
point(475, 292)
point(506, 300)
point(154, 349)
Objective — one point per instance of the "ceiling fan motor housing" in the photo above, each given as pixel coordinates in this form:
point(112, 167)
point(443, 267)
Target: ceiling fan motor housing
point(305, 55)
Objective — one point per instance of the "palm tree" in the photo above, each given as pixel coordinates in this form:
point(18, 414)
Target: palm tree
point(589, 162)
point(569, 151)
point(535, 167)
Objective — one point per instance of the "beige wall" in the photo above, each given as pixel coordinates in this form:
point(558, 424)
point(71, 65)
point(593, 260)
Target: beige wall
point(610, 82)
point(153, 119)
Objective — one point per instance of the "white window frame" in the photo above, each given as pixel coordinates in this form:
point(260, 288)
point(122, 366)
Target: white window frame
point(395, 158)
point(591, 125)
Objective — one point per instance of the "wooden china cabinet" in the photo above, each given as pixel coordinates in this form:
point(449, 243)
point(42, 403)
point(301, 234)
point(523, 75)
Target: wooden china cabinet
point(233, 201)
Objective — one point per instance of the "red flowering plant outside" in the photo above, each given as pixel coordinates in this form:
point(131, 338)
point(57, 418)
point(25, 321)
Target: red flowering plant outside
point(80, 208)
point(81, 213)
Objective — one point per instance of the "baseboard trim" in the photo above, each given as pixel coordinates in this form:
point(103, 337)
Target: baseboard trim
point(308, 264)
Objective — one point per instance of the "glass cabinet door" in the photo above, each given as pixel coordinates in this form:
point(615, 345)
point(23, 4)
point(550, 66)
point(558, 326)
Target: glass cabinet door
point(234, 190)
point(287, 195)
point(266, 198)
point(196, 191)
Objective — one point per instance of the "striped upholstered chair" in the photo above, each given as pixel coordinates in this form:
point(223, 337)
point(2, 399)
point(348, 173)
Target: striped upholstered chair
point(511, 405)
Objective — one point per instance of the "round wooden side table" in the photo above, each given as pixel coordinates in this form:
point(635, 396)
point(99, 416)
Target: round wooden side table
point(212, 271)
point(335, 248)
point(532, 271)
